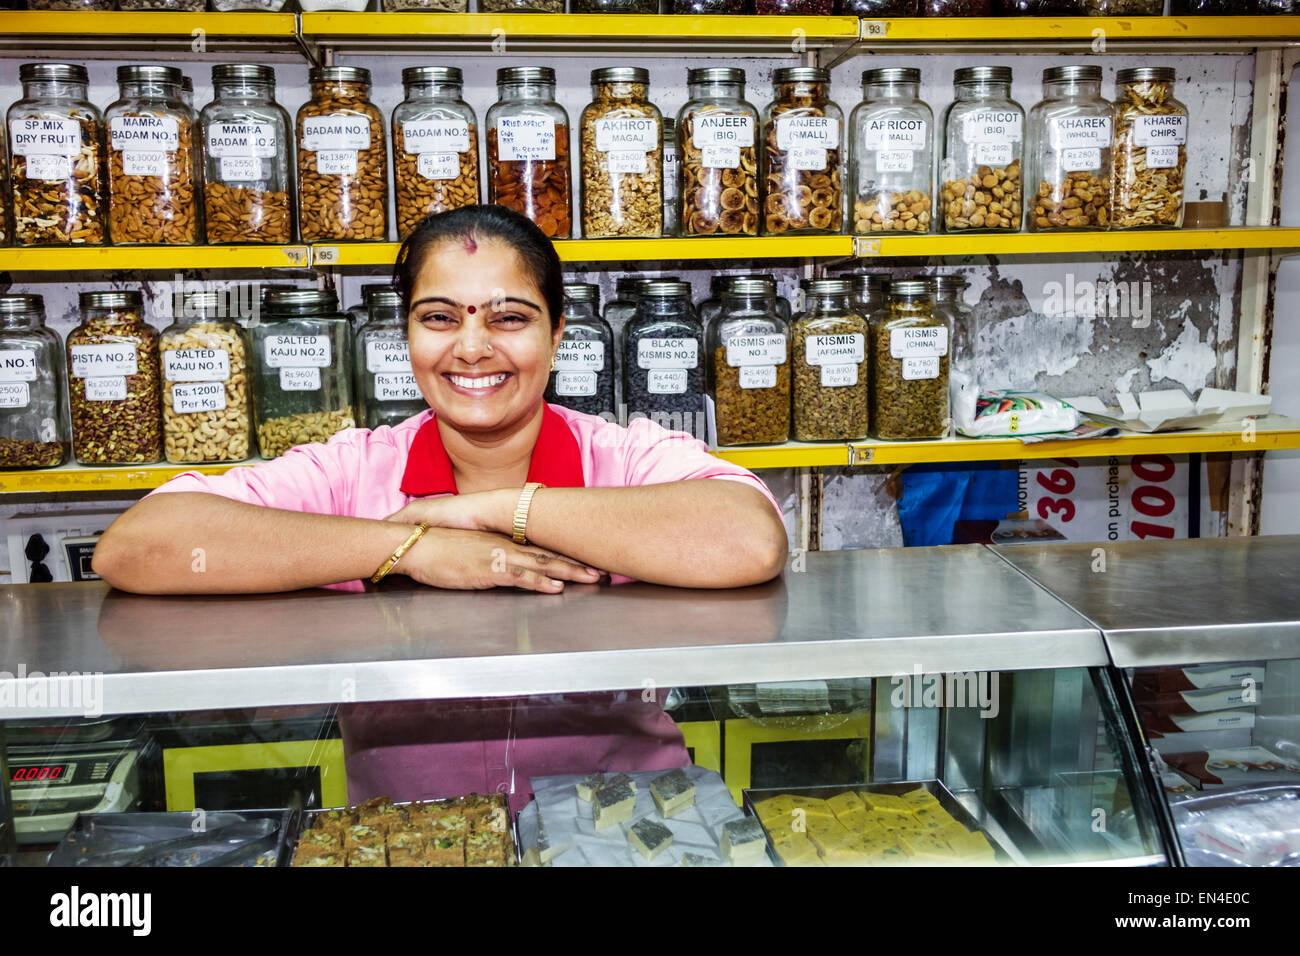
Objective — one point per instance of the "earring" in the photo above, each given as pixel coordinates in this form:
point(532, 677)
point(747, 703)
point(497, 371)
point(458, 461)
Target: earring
point(552, 363)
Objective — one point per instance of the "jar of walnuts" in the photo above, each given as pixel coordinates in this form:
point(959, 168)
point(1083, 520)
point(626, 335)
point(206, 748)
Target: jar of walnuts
point(1150, 152)
point(528, 149)
point(801, 168)
point(435, 146)
point(1069, 152)
point(983, 153)
point(622, 159)
point(716, 130)
point(892, 154)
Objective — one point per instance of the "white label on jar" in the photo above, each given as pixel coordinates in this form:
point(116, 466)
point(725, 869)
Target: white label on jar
point(806, 157)
point(89, 361)
point(144, 163)
point(667, 353)
point(14, 395)
point(17, 365)
point(435, 136)
point(822, 131)
point(720, 157)
point(722, 129)
point(839, 376)
point(242, 139)
point(621, 161)
point(575, 383)
point(666, 381)
point(1159, 130)
point(835, 349)
point(993, 126)
point(1073, 132)
point(34, 136)
point(131, 133)
point(1082, 158)
point(756, 350)
point(298, 351)
point(106, 389)
point(388, 356)
point(521, 138)
point(50, 169)
point(627, 133)
point(438, 165)
point(920, 341)
point(758, 376)
point(336, 162)
point(587, 356)
point(396, 387)
point(300, 379)
point(188, 399)
point(196, 365)
point(335, 133)
point(239, 169)
point(915, 369)
point(895, 133)
point(1162, 157)
point(994, 154)
point(894, 161)
point(672, 174)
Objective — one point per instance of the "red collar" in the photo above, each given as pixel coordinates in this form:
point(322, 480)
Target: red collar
point(556, 461)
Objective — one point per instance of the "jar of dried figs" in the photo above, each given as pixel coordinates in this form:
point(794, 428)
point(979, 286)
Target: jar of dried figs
point(113, 382)
point(749, 366)
point(802, 174)
point(1150, 150)
point(869, 291)
point(622, 162)
point(672, 153)
point(207, 396)
point(152, 160)
point(302, 364)
point(716, 130)
point(32, 429)
point(1068, 165)
point(663, 375)
point(528, 149)
point(435, 145)
point(909, 365)
point(57, 170)
point(983, 151)
point(828, 350)
point(342, 159)
point(892, 154)
point(386, 390)
point(247, 186)
point(583, 376)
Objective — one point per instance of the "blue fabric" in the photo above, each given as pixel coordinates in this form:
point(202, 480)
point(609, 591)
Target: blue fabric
point(935, 497)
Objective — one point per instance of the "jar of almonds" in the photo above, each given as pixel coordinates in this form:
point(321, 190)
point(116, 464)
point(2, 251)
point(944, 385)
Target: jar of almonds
point(1069, 152)
point(622, 159)
point(909, 364)
point(1150, 153)
point(716, 130)
point(829, 356)
point(983, 153)
point(32, 399)
point(207, 396)
point(749, 365)
point(801, 168)
point(528, 149)
point(435, 146)
point(152, 160)
point(246, 190)
point(57, 177)
point(386, 390)
point(892, 154)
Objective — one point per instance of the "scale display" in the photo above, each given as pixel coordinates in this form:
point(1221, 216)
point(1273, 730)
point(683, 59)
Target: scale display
point(47, 773)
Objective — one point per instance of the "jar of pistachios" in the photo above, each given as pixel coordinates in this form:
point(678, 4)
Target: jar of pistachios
point(909, 365)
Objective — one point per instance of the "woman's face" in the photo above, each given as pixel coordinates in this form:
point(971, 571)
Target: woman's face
point(480, 336)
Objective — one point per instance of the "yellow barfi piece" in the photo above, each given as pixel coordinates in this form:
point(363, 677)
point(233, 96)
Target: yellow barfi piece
point(827, 837)
point(886, 802)
point(846, 802)
point(773, 807)
point(846, 856)
point(927, 845)
point(972, 846)
point(797, 852)
point(858, 821)
point(920, 798)
point(811, 806)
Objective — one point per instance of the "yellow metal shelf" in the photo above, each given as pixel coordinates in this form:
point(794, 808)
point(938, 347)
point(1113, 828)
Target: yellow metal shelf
point(958, 30)
point(148, 24)
point(101, 477)
point(1058, 243)
point(144, 258)
point(328, 27)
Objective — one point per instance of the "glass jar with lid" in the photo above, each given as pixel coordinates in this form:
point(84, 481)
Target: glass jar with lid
point(268, 6)
point(663, 371)
point(1150, 150)
point(583, 376)
point(710, 6)
point(876, 8)
point(620, 309)
point(956, 8)
point(946, 296)
point(892, 154)
point(185, 6)
point(521, 6)
point(828, 351)
point(672, 176)
point(387, 393)
point(56, 176)
point(1068, 164)
point(32, 429)
point(359, 312)
point(1038, 8)
point(869, 292)
point(749, 366)
point(983, 152)
point(61, 5)
point(152, 160)
point(717, 131)
point(207, 395)
point(711, 308)
point(435, 145)
point(114, 389)
point(528, 149)
point(302, 362)
point(247, 184)
point(909, 364)
point(342, 159)
point(614, 6)
point(434, 6)
point(622, 159)
point(801, 163)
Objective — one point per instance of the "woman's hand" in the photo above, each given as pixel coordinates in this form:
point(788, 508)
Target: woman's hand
point(478, 511)
point(477, 560)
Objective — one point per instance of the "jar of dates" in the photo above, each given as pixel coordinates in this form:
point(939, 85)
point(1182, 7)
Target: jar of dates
point(828, 353)
point(622, 159)
point(981, 173)
point(716, 130)
point(387, 393)
point(583, 377)
point(801, 168)
point(1068, 169)
point(892, 154)
point(1150, 150)
point(749, 366)
point(528, 149)
point(909, 365)
point(435, 146)
point(32, 398)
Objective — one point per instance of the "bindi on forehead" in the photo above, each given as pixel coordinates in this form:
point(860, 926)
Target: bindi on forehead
point(470, 309)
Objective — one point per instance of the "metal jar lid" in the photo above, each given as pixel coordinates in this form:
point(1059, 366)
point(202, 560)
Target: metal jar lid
point(746, 285)
point(368, 290)
point(255, 72)
point(414, 75)
point(883, 76)
point(525, 74)
point(1072, 74)
point(944, 288)
point(970, 75)
point(909, 287)
point(581, 292)
point(21, 304)
point(52, 73)
point(751, 277)
point(801, 74)
point(670, 126)
point(665, 288)
point(620, 74)
point(117, 299)
point(871, 282)
point(1148, 74)
point(339, 74)
point(201, 302)
point(301, 301)
point(142, 73)
point(383, 298)
point(830, 287)
point(716, 74)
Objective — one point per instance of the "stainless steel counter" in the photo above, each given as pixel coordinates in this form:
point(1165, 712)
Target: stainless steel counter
point(1179, 602)
point(849, 614)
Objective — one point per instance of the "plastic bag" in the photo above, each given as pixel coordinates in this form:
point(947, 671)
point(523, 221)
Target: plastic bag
point(1011, 413)
point(1246, 827)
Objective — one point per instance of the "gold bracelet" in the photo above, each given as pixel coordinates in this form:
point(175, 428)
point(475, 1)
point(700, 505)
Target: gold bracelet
point(396, 556)
point(520, 525)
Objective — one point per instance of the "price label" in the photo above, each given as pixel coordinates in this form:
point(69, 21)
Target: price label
point(396, 387)
point(106, 389)
point(806, 157)
point(144, 163)
point(839, 376)
point(388, 356)
point(575, 384)
point(835, 349)
point(994, 154)
point(300, 379)
point(36, 136)
point(17, 365)
point(915, 369)
point(580, 356)
point(756, 350)
point(627, 133)
point(14, 395)
point(716, 128)
point(821, 131)
point(50, 169)
point(1082, 158)
point(205, 397)
point(435, 136)
point(103, 360)
point(624, 162)
point(662, 381)
point(130, 133)
point(335, 133)
point(1162, 157)
point(525, 138)
point(894, 161)
point(758, 376)
point(249, 140)
point(438, 165)
point(720, 157)
point(297, 351)
point(196, 365)
point(241, 169)
point(667, 354)
point(340, 162)
point(895, 132)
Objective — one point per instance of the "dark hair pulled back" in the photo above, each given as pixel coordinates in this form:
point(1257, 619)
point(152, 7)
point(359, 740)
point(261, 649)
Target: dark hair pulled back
point(479, 223)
